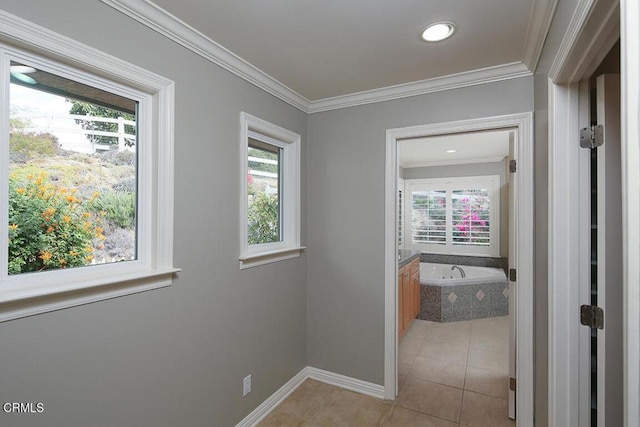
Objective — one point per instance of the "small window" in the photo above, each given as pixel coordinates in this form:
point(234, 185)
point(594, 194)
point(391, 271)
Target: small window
point(270, 202)
point(264, 199)
point(86, 178)
point(454, 215)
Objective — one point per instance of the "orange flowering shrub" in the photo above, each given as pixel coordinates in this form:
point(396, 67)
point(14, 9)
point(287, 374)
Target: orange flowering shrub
point(49, 226)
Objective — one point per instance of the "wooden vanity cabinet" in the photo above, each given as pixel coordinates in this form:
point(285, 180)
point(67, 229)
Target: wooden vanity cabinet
point(408, 295)
point(415, 286)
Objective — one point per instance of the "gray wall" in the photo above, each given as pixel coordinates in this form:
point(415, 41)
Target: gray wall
point(345, 293)
point(176, 356)
point(472, 169)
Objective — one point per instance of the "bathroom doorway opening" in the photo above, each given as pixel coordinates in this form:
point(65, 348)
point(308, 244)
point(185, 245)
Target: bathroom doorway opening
point(517, 245)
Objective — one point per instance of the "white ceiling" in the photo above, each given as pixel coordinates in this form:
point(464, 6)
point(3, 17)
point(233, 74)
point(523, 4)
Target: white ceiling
point(311, 54)
point(327, 48)
point(478, 147)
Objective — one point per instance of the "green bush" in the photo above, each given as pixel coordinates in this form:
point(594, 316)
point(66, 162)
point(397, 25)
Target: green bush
point(49, 226)
point(127, 185)
point(119, 207)
point(263, 219)
point(119, 158)
point(32, 144)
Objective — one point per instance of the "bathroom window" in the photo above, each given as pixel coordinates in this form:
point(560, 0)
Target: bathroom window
point(87, 178)
point(270, 193)
point(454, 215)
point(429, 216)
point(400, 212)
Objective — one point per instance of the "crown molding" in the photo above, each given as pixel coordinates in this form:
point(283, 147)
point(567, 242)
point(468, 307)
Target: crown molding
point(594, 26)
point(580, 16)
point(161, 21)
point(438, 84)
point(539, 23)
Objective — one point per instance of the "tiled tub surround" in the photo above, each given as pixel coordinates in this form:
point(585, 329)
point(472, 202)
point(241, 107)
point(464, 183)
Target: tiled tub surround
point(452, 300)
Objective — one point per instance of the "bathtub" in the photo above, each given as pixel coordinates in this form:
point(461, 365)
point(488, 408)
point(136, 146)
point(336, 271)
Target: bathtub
point(446, 297)
point(443, 275)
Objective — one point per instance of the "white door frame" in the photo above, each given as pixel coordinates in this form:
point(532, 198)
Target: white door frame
point(523, 125)
point(630, 89)
point(594, 27)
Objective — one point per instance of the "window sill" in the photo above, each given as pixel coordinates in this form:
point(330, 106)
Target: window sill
point(263, 258)
point(29, 302)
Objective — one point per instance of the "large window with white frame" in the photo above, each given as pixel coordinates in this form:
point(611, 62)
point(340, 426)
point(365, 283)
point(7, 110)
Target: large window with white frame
point(453, 215)
point(270, 193)
point(86, 177)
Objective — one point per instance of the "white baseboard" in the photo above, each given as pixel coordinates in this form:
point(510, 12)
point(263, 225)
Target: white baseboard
point(348, 383)
point(274, 400)
point(338, 380)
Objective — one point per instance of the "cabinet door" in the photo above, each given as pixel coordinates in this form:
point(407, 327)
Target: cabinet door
point(415, 287)
point(400, 316)
point(407, 298)
point(415, 282)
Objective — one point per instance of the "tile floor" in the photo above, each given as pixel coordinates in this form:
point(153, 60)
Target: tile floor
point(449, 375)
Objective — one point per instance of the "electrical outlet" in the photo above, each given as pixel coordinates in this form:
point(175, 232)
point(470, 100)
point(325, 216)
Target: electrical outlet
point(246, 385)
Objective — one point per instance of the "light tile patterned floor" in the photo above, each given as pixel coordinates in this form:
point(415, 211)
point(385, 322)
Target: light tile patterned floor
point(450, 375)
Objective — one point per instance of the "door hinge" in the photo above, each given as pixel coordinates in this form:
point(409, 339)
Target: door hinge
point(592, 137)
point(513, 165)
point(512, 274)
point(592, 316)
point(512, 384)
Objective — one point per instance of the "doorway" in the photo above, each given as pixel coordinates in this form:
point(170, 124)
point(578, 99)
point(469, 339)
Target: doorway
point(454, 196)
point(602, 375)
point(593, 31)
point(523, 259)
point(587, 259)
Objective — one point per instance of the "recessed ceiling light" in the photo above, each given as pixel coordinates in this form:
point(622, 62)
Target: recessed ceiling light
point(438, 31)
point(451, 151)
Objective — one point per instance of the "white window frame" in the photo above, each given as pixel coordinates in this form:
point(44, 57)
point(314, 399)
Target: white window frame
point(401, 213)
point(289, 246)
point(491, 182)
point(33, 293)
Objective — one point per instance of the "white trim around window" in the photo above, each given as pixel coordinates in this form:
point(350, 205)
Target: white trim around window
point(449, 185)
point(33, 293)
point(252, 255)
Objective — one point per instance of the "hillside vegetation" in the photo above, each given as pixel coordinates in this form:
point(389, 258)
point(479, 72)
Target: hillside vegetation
point(68, 209)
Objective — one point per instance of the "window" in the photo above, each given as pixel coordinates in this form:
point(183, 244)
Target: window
point(72, 173)
point(84, 156)
point(400, 212)
point(264, 213)
point(270, 193)
point(454, 215)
